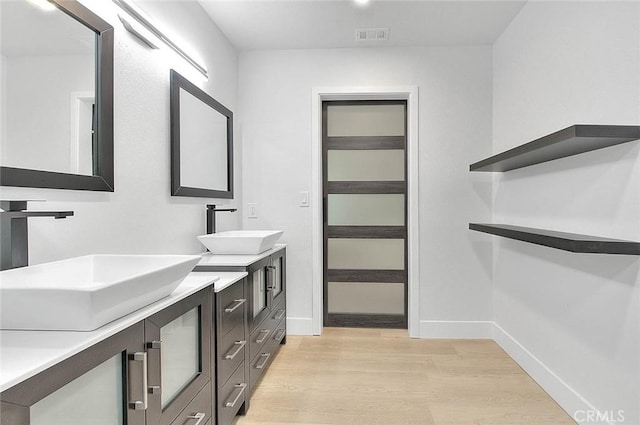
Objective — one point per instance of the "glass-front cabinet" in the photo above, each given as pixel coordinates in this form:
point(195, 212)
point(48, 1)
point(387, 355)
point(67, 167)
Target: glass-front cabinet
point(102, 385)
point(259, 290)
point(178, 343)
point(156, 372)
point(277, 270)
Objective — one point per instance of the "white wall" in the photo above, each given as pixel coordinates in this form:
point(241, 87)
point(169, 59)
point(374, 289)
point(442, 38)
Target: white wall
point(578, 315)
point(454, 129)
point(141, 216)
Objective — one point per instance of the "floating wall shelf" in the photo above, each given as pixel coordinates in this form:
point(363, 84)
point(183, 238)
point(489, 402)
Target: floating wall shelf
point(560, 240)
point(567, 142)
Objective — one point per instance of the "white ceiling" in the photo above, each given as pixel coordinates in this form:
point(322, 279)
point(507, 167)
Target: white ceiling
point(314, 24)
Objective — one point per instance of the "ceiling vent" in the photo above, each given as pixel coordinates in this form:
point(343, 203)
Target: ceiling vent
point(372, 34)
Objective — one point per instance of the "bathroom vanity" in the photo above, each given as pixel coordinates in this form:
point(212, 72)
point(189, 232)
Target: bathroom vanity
point(193, 357)
point(262, 301)
point(153, 366)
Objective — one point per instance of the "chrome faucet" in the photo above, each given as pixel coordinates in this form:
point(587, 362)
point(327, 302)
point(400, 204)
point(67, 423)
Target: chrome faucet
point(14, 250)
point(211, 217)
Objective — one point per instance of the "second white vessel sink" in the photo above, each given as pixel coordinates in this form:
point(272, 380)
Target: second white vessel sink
point(84, 293)
point(241, 241)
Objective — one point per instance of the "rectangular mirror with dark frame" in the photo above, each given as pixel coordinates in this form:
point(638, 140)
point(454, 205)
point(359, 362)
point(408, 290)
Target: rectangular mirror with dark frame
point(201, 142)
point(57, 97)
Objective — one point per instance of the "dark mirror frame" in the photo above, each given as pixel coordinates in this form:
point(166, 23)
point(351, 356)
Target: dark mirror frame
point(103, 178)
point(179, 82)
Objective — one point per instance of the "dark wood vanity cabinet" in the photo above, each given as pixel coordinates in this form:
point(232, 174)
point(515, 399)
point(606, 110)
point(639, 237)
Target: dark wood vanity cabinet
point(267, 312)
point(155, 372)
point(231, 351)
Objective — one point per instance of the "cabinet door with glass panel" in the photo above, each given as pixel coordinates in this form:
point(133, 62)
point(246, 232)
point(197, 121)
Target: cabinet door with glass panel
point(102, 385)
point(147, 374)
point(178, 342)
point(277, 276)
point(259, 292)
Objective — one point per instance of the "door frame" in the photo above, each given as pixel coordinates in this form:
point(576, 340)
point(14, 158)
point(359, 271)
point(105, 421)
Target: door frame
point(410, 94)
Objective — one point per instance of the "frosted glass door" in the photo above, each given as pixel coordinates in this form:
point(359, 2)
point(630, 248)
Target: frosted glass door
point(364, 169)
point(101, 385)
point(180, 353)
point(94, 398)
point(178, 342)
point(259, 292)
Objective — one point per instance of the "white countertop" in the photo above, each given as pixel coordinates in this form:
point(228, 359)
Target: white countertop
point(24, 354)
point(219, 260)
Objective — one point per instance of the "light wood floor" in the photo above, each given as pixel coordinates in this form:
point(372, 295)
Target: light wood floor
point(382, 377)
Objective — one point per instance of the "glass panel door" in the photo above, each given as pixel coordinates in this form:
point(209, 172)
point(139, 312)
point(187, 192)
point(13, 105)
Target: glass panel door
point(364, 186)
point(180, 353)
point(259, 292)
point(93, 398)
point(178, 342)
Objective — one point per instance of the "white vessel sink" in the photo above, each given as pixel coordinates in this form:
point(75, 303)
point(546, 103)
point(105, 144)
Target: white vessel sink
point(84, 293)
point(241, 241)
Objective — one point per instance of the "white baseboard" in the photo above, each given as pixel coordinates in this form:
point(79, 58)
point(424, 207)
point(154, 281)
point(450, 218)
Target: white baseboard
point(456, 329)
point(569, 399)
point(299, 326)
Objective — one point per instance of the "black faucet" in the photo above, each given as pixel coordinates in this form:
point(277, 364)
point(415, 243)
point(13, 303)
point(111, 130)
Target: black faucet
point(211, 217)
point(14, 251)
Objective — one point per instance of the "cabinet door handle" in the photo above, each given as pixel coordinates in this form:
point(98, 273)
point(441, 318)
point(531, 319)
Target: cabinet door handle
point(271, 271)
point(199, 417)
point(265, 359)
point(265, 332)
point(278, 335)
point(239, 345)
point(142, 358)
point(279, 315)
point(237, 304)
point(239, 391)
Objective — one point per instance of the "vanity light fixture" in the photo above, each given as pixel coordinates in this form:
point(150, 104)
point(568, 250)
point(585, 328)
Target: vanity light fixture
point(136, 14)
point(135, 30)
point(43, 5)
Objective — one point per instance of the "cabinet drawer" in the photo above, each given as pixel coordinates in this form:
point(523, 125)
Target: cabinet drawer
point(233, 292)
point(277, 314)
point(232, 305)
point(232, 396)
point(199, 409)
point(231, 353)
point(232, 315)
point(259, 337)
point(280, 331)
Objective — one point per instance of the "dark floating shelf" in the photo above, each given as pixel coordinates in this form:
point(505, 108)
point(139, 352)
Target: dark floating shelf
point(560, 240)
point(567, 142)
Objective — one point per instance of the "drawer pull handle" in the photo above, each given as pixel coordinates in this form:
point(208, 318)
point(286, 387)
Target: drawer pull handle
point(239, 345)
point(265, 359)
point(199, 417)
point(237, 305)
point(139, 404)
point(240, 390)
point(264, 332)
point(279, 315)
point(279, 334)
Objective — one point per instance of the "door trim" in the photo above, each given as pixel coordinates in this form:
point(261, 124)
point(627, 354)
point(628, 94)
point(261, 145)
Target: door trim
point(410, 94)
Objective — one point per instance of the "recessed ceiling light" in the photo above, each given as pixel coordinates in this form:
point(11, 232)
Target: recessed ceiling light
point(362, 2)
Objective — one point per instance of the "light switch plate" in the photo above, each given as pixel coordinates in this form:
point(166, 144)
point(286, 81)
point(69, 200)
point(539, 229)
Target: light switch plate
point(304, 199)
point(252, 210)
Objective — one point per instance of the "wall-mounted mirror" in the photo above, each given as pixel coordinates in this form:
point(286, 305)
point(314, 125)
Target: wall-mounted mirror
point(201, 142)
point(56, 94)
